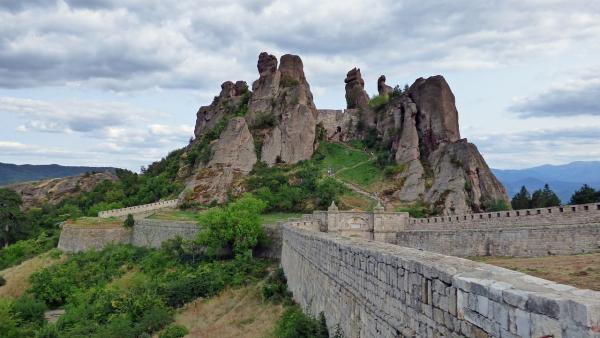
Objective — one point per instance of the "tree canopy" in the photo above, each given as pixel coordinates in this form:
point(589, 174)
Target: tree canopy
point(585, 194)
point(10, 215)
point(540, 198)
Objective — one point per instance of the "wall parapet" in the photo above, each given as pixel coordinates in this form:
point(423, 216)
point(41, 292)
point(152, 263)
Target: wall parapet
point(374, 289)
point(567, 214)
point(138, 209)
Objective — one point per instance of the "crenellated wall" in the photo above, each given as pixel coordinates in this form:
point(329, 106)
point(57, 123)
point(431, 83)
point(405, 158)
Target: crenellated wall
point(138, 209)
point(568, 214)
point(374, 289)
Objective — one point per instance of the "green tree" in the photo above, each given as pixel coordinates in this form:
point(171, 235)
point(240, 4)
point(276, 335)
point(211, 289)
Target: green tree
point(10, 215)
point(129, 221)
point(235, 227)
point(521, 200)
point(585, 194)
point(544, 198)
point(495, 205)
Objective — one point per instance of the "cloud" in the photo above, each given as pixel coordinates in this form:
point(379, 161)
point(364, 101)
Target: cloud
point(137, 45)
point(576, 97)
point(539, 146)
point(72, 116)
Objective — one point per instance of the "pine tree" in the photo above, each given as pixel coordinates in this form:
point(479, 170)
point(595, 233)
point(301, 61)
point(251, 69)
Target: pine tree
point(585, 194)
point(545, 197)
point(521, 200)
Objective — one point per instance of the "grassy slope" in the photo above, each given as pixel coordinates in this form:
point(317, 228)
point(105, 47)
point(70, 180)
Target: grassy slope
point(239, 312)
point(582, 271)
point(17, 277)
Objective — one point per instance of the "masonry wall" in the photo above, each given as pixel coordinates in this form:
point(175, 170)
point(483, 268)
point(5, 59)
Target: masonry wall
point(138, 209)
point(569, 214)
point(77, 239)
point(152, 232)
point(373, 289)
point(515, 241)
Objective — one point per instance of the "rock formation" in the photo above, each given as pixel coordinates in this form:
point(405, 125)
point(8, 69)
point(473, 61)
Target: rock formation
point(231, 96)
point(233, 157)
point(276, 122)
point(281, 111)
point(53, 191)
point(382, 88)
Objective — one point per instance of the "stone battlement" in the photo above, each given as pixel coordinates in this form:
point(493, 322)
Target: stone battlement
point(138, 209)
point(568, 214)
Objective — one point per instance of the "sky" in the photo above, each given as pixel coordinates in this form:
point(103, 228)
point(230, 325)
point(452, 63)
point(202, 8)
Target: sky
point(118, 82)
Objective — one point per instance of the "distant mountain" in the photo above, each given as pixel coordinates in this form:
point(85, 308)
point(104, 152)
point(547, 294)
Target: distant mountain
point(563, 179)
point(13, 173)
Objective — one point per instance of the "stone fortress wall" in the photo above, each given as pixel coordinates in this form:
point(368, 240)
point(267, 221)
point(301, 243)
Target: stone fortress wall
point(138, 209)
point(374, 289)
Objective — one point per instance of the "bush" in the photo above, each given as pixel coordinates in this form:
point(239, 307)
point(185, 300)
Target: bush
point(275, 288)
point(28, 309)
point(2, 281)
point(174, 331)
point(379, 101)
point(129, 221)
point(295, 324)
point(234, 227)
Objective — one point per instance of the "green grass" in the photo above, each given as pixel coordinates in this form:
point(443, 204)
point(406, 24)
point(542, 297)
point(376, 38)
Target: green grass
point(338, 156)
point(277, 216)
point(363, 175)
point(176, 215)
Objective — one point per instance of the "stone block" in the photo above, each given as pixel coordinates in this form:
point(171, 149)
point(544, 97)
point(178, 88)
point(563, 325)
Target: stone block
point(545, 326)
point(523, 323)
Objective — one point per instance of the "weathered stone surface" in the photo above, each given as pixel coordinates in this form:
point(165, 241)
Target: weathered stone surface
point(224, 104)
point(283, 97)
point(233, 157)
point(349, 280)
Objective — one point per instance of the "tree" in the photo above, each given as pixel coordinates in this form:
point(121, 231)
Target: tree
point(521, 199)
point(10, 215)
point(235, 227)
point(129, 221)
point(585, 195)
point(544, 198)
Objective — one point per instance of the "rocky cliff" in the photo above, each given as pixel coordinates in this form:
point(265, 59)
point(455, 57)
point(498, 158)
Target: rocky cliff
point(275, 122)
point(36, 193)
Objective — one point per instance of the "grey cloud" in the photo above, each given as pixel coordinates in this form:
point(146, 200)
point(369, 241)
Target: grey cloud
point(578, 98)
point(134, 44)
point(18, 5)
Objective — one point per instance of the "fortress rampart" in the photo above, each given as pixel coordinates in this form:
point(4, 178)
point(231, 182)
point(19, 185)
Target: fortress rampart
point(138, 209)
point(374, 289)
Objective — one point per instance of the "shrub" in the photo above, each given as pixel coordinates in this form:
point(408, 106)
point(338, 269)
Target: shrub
point(2, 281)
point(275, 288)
point(174, 331)
point(264, 120)
point(129, 221)
point(236, 226)
point(379, 101)
point(391, 171)
point(28, 309)
point(8, 324)
point(328, 190)
point(495, 205)
point(295, 324)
